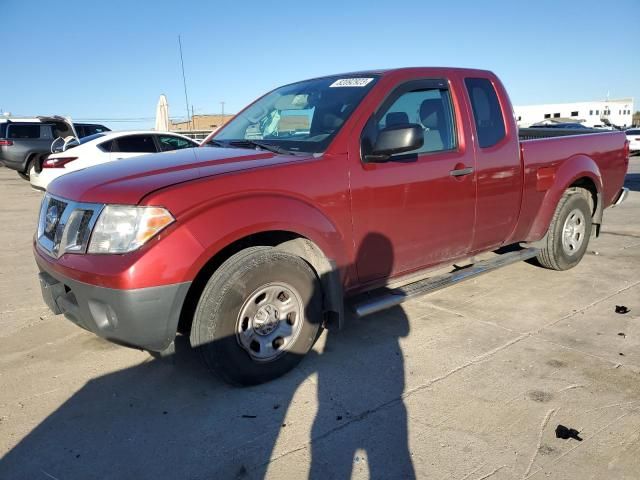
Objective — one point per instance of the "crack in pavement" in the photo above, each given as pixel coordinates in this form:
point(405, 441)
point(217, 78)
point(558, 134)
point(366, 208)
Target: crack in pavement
point(473, 361)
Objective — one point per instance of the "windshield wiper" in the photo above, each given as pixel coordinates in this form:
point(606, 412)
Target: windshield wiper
point(214, 143)
point(265, 146)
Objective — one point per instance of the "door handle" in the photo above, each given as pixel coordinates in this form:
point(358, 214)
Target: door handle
point(461, 172)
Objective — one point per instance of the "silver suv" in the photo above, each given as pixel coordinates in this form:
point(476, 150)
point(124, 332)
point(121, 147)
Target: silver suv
point(25, 141)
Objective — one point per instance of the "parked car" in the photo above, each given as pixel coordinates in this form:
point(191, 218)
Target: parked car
point(24, 141)
point(251, 247)
point(633, 135)
point(102, 148)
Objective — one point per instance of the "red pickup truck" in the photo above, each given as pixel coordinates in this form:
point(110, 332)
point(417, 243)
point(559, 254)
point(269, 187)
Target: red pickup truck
point(347, 189)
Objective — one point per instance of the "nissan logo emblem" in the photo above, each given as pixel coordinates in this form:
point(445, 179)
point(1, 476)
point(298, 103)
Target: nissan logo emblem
point(51, 219)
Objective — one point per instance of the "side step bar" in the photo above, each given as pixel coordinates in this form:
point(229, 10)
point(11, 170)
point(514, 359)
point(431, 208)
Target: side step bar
point(382, 299)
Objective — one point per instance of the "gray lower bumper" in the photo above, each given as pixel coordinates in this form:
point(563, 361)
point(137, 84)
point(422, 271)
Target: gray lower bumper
point(145, 318)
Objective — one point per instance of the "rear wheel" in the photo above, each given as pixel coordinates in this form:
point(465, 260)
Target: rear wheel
point(258, 315)
point(30, 163)
point(569, 232)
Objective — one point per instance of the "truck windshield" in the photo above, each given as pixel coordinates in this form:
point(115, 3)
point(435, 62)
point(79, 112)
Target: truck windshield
point(303, 116)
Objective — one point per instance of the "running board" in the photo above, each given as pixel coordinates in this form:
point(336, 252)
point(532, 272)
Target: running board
point(382, 299)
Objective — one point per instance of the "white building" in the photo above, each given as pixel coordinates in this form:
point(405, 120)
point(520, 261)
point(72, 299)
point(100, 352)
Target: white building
point(591, 114)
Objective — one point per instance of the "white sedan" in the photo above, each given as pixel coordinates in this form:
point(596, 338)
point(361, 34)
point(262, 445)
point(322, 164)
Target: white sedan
point(102, 148)
point(633, 135)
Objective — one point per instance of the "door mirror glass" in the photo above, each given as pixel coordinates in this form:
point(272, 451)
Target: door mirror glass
point(395, 139)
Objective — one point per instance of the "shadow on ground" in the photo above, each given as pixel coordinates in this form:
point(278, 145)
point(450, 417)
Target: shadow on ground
point(171, 418)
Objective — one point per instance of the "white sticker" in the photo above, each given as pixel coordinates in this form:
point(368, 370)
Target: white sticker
point(351, 82)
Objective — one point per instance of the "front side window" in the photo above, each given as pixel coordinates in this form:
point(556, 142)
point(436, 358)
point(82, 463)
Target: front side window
point(17, 131)
point(429, 108)
point(486, 111)
point(303, 116)
point(136, 144)
point(169, 142)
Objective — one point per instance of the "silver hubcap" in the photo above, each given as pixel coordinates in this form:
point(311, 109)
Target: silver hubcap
point(269, 321)
point(573, 232)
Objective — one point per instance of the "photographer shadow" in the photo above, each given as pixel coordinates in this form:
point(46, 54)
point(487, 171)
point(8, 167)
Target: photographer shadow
point(169, 418)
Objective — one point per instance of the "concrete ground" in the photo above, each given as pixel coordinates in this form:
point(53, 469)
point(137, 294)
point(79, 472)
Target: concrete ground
point(468, 383)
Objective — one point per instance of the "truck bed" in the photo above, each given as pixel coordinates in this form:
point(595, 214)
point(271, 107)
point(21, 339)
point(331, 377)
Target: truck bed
point(545, 158)
point(534, 133)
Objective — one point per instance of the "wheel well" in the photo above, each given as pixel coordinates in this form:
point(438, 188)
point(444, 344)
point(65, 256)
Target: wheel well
point(590, 186)
point(288, 241)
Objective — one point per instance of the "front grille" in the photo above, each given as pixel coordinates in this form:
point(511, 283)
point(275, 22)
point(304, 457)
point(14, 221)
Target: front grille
point(65, 226)
point(52, 215)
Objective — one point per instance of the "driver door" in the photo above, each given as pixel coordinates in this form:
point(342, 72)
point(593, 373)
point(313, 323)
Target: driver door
point(423, 201)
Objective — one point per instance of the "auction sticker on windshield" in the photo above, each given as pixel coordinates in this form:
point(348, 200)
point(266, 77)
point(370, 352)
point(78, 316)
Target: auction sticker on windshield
point(351, 82)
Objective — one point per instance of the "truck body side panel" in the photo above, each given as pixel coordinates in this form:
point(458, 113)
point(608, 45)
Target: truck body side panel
point(551, 165)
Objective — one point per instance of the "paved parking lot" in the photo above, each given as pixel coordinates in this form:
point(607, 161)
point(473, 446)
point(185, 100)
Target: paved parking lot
point(468, 383)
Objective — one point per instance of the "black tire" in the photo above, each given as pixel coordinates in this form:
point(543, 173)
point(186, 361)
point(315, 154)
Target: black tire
point(216, 320)
point(554, 255)
point(25, 174)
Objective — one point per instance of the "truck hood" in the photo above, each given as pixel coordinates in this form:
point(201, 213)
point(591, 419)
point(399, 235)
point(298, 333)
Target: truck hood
point(128, 181)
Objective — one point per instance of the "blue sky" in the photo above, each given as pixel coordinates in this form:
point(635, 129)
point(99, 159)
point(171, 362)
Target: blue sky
point(112, 59)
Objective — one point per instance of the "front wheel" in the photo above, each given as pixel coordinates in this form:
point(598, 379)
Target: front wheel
point(569, 232)
point(258, 315)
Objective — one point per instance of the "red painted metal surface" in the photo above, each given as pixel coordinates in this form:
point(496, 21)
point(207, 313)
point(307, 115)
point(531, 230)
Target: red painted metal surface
point(427, 217)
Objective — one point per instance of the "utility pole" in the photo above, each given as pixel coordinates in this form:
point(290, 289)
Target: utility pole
point(184, 81)
point(222, 114)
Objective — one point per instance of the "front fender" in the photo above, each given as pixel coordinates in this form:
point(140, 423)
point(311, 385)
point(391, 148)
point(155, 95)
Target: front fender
point(239, 216)
point(569, 172)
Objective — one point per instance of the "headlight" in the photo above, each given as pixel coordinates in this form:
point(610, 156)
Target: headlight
point(124, 228)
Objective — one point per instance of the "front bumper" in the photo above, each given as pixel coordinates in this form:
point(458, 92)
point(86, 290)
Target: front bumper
point(145, 318)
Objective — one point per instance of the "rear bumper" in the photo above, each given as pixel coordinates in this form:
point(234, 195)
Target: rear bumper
point(621, 197)
point(145, 318)
point(42, 180)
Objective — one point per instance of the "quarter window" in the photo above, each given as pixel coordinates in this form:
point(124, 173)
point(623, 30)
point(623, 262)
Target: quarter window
point(106, 146)
point(486, 111)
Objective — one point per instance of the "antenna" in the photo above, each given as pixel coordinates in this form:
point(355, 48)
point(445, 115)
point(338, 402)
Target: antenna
point(184, 81)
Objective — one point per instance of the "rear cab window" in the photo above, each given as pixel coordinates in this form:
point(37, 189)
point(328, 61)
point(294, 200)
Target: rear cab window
point(490, 127)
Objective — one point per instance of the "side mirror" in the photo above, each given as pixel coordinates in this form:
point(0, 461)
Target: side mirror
point(395, 139)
